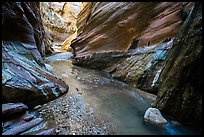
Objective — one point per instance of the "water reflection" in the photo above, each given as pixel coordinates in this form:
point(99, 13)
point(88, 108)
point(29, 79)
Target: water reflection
point(113, 100)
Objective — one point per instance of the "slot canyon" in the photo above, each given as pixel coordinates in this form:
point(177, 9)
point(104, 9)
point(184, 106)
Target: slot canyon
point(101, 68)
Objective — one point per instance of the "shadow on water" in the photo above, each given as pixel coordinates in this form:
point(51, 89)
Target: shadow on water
point(114, 100)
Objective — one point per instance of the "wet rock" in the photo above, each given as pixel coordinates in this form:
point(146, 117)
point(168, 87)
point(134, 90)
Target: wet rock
point(135, 49)
point(24, 76)
point(23, 127)
point(29, 118)
point(48, 132)
point(154, 115)
point(48, 67)
point(37, 107)
point(21, 123)
point(10, 109)
point(180, 92)
point(59, 56)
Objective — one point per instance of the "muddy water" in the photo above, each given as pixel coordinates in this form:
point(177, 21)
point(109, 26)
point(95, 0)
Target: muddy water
point(112, 101)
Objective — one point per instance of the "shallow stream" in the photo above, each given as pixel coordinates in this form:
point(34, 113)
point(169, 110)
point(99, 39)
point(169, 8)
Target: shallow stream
point(111, 100)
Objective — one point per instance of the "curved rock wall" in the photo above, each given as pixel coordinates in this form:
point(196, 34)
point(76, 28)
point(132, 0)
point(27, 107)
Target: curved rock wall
point(127, 40)
point(138, 43)
point(59, 20)
point(24, 76)
point(180, 91)
point(113, 26)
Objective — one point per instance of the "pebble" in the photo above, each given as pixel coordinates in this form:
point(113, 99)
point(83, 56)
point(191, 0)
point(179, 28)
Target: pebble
point(57, 131)
point(37, 107)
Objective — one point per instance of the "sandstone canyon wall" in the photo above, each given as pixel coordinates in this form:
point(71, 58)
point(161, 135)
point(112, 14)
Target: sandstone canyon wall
point(134, 42)
point(59, 20)
point(127, 40)
point(180, 91)
point(24, 76)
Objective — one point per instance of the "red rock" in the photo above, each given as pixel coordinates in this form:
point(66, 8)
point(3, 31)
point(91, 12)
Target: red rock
point(109, 27)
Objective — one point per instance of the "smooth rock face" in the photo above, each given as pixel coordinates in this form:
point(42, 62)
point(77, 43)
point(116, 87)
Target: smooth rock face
point(113, 26)
point(135, 47)
point(24, 76)
point(181, 88)
point(154, 115)
point(59, 20)
point(137, 43)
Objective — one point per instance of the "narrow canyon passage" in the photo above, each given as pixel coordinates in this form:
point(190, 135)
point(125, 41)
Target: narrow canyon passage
point(101, 68)
point(98, 104)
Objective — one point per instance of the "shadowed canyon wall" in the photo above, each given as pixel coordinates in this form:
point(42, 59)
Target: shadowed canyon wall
point(24, 76)
point(133, 40)
point(180, 91)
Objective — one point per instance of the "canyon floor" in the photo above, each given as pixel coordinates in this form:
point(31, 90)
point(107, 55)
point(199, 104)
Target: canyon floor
point(98, 104)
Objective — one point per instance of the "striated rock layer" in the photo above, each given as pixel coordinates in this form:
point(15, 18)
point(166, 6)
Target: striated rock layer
point(24, 76)
point(180, 91)
point(113, 26)
point(59, 20)
point(17, 121)
point(137, 43)
point(127, 40)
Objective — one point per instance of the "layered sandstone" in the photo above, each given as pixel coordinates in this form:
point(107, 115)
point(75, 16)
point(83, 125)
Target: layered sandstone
point(24, 76)
point(113, 26)
point(127, 40)
point(59, 20)
point(138, 43)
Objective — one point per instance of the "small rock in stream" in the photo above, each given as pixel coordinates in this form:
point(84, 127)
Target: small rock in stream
point(37, 107)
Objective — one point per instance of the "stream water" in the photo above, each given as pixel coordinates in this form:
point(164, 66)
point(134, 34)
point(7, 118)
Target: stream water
point(112, 100)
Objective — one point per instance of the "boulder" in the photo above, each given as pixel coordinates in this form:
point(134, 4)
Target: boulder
point(153, 115)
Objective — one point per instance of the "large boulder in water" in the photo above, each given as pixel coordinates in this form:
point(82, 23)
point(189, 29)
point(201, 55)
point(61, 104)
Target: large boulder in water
point(153, 115)
point(24, 75)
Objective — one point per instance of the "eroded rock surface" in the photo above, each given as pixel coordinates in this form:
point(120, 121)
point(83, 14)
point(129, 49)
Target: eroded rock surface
point(180, 91)
point(21, 121)
point(127, 40)
point(24, 76)
point(59, 20)
point(153, 115)
point(132, 44)
point(113, 26)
